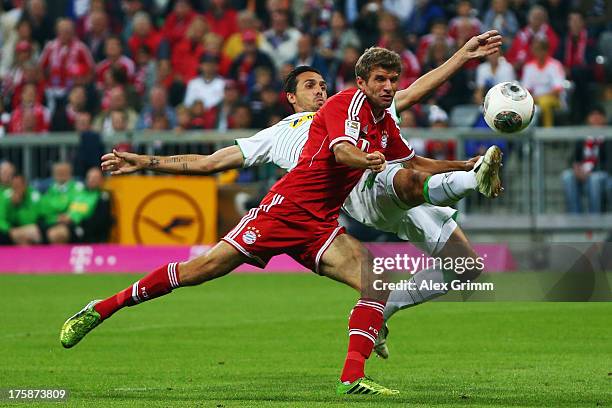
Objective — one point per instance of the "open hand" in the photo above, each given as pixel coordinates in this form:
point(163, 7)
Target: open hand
point(483, 45)
point(122, 162)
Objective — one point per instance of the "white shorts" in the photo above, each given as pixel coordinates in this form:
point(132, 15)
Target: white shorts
point(373, 202)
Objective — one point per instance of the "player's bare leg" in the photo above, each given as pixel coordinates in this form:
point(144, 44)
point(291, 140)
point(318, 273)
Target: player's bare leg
point(348, 261)
point(217, 262)
point(456, 247)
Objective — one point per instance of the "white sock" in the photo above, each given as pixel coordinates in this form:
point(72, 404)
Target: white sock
point(401, 299)
point(448, 188)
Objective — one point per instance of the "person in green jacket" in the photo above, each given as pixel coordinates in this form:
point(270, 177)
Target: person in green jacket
point(19, 214)
point(88, 218)
point(56, 200)
point(7, 171)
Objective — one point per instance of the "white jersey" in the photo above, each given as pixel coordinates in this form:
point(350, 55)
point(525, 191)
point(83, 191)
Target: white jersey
point(372, 202)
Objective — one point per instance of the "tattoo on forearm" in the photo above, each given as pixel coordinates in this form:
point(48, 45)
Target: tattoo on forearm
point(153, 162)
point(185, 166)
point(179, 159)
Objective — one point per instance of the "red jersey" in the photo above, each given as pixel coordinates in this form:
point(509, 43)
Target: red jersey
point(105, 65)
point(318, 183)
point(59, 62)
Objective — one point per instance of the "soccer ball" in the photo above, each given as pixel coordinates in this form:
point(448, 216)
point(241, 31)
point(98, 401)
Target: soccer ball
point(508, 107)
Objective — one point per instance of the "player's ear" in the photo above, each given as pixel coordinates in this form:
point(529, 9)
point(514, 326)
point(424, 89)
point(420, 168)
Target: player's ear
point(291, 98)
point(360, 82)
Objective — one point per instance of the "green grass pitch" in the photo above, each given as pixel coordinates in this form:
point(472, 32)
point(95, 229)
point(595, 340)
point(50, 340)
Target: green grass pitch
point(279, 341)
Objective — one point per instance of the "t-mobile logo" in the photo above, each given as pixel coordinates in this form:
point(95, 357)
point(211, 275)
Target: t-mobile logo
point(80, 257)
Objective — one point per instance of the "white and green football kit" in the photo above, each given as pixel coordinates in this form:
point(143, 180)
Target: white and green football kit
point(373, 202)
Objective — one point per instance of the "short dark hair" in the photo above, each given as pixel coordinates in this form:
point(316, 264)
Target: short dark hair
point(290, 85)
point(377, 57)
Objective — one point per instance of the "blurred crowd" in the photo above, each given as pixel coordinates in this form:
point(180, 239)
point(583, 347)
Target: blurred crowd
point(103, 67)
point(58, 211)
point(120, 65)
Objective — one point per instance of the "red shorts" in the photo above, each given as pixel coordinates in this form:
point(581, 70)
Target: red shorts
point(279, 226)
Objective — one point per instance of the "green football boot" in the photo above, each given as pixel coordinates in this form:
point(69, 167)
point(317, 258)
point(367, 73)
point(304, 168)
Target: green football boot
point(380, 346)
point(487, 172)
point(76, 327)
point(364, 386)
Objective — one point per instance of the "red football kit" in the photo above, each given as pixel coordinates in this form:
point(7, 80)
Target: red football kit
point(299, 215)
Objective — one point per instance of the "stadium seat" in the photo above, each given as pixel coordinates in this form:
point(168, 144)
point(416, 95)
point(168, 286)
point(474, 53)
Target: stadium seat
point(464, 115)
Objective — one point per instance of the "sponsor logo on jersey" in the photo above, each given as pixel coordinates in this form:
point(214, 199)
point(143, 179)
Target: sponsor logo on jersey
point(383, 140)
point(351, 128)
point(299, 122)
point(250, 235)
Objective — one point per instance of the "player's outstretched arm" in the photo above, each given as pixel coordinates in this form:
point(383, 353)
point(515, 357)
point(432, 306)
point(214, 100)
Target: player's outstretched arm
point(350, 155)
point(425, 165)
point(477, 47)
point(125, 163)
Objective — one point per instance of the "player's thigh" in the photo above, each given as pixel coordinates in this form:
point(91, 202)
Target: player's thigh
point(342, 261)
point(348, 261)
point(458, 246)
point(218, 261)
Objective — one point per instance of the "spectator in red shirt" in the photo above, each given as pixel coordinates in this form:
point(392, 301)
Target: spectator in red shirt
point(213, 44)
point(464, 18)
point(179, 20)
point(114, 58)
point(144, 34)
point(244, 65)
point(186, 53)
point(411, 69)
point(438, 33)
point(577, 53)
point(388, 26)
point(59, 58)
point(30, 116)
point(222, 19)
point(29, 73)
point(537, 27)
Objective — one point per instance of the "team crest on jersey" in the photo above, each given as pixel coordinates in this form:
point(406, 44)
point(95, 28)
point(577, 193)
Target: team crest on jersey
point(384, 139)
point(250, 235)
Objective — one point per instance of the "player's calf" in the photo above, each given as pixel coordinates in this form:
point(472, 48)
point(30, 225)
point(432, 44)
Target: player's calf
point(219, 261)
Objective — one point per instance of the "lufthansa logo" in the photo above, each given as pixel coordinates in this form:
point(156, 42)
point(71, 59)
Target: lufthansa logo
point(168, 215)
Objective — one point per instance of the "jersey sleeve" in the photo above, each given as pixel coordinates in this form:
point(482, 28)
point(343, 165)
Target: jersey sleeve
point(398, 149)
point(257, 149)
point(393, 112)
point(342, 118)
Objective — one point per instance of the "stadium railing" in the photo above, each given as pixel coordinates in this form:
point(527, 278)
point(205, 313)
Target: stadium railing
point(534, 160)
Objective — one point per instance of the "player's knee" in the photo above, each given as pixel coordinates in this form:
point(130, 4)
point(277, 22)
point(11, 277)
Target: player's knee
point(472, 268)
point(408, 186)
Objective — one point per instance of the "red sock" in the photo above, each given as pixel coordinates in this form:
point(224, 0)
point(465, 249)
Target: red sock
point(365, 322)
point(158, 283)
